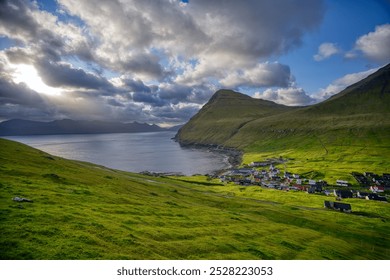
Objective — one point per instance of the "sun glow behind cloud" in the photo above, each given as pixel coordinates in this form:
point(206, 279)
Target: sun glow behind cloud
point(28, 75)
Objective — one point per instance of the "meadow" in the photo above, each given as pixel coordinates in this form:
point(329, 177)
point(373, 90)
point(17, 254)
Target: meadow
point(85, 211)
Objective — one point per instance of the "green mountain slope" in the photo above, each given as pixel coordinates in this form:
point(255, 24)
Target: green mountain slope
point(85, 211)
point(349, 131)
point(224, 115)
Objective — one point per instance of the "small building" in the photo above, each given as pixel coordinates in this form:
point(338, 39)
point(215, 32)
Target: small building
point(362, 194)
point(312, 182)
point(377, 189)
point(344, 207)
point(258, 164)
point(311, 190)
point(327, 192)
point(374, 196)
point(342, 183)
point(343, 193)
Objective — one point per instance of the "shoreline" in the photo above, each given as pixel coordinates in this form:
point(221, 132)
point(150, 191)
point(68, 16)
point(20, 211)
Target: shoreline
point(234, 156)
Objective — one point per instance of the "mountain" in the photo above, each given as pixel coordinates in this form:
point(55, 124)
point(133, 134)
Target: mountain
point(66, 126)
point(232, 119)
point(350, 130)
point(224, 115)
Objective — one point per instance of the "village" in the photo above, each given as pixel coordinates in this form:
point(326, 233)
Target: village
point(264, 174)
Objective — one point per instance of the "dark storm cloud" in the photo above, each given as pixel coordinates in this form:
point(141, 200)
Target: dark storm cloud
point(149, 98)
point(136, 85)
point(63, 75)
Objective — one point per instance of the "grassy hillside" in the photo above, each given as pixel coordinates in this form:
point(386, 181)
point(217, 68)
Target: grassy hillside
point(348, 132)
point(224, 115)
point(85, 211)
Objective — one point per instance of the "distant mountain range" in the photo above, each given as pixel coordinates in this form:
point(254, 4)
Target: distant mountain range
point(26, 127)
point(236, 120)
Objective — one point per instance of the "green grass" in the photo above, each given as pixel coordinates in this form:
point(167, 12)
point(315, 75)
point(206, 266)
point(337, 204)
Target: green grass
point(330, 156)
point(85, 211)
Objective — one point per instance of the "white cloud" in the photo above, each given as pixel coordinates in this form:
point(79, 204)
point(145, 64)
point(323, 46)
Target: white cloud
point(326, 50)
point(376, 45)
point(291, 96)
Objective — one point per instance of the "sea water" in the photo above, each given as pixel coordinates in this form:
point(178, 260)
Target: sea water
point(135, 152)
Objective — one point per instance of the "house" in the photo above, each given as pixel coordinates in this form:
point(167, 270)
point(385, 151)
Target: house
point(381, 198)
point(258, 164)
point(245, 182)
point(361, 179)
point(328, 204)
point(311, 190)
point(318, 187)
point(342, 183)
point(377, 189)
point(300, 187)
point(374, 196)
point(327, 192)
point(345, 207)
point(369, 174)
point(362, 194)
point(371, 196)
point(343, 193)
point(312, 182)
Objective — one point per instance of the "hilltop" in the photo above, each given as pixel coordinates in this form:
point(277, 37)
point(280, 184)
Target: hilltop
point(85, 211)
point(351, 130)
point(223, 117)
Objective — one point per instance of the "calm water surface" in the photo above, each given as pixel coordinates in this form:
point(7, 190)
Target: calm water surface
point(136, 152)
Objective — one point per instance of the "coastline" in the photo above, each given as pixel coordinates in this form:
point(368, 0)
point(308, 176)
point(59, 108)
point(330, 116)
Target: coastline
point(234, 156)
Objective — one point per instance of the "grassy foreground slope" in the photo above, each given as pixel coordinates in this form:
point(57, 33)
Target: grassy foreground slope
point(348, 132)
point(85, 211)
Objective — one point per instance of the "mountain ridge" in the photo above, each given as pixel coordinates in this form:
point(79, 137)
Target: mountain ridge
point(19, 127)
point(368, 99)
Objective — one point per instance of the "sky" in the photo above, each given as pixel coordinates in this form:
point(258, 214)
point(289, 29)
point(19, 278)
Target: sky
point(160, 61)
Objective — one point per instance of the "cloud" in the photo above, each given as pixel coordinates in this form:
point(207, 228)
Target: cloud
point(375, 45)
point(326, 50)
point(291, 96)
point(61, 74)
point(341, 83)
point(154, 59)
point(255, 28)
point(206, 32)
point(262, 75)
